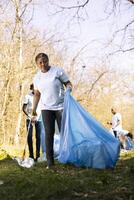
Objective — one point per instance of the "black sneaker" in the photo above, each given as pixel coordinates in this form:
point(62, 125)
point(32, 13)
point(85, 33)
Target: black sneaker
point(36, 159)
point(31, 157)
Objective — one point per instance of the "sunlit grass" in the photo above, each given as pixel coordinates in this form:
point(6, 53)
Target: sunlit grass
point(66, 182)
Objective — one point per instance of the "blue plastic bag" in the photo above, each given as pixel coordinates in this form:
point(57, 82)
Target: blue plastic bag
point(129, 144)
point(84, 141)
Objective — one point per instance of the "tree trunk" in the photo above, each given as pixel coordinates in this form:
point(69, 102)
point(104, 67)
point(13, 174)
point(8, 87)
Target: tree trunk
point(19, 119)
point(4, 107)
point(20, 73)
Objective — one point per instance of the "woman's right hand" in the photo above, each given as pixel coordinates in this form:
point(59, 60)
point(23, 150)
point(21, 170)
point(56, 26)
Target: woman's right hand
point(33, 119)
point(34, 116)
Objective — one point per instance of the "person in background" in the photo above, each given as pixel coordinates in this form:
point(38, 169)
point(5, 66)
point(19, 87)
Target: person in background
point(116, 122)
point(43, 146)
point(125, 137)
point(56, 143)
point(49, 85)
point(27, 109)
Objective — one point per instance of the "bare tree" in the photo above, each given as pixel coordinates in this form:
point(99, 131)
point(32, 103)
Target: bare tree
point(14, 62)
point(77, 10)
point(20, 8)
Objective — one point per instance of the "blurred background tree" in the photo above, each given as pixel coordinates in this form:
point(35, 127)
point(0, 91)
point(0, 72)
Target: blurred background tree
point(97, 86)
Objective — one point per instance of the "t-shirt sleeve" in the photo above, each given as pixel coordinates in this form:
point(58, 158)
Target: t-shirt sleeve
point(25, 101)
point(119, 117)
point(62, 75)
point(35, 82)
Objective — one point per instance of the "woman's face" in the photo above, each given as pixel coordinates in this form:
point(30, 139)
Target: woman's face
point(43, 64)
point(113, 111)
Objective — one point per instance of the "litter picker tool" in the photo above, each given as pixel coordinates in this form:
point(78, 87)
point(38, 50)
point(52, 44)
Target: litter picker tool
point(24, 151)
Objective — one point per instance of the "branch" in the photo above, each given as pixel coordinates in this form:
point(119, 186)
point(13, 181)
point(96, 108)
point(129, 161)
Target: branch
point(74, 7)
point(94, 83)
point(123, 29)
point(78, 53)
point(122, 50)
point(124, 35)
point(25, 7)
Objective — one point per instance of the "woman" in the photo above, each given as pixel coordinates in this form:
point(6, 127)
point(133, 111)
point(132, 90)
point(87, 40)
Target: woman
point(49, 88)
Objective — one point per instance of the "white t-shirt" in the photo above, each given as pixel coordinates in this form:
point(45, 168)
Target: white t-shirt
point(50, 86)
point(28, 100)
point(115, 120)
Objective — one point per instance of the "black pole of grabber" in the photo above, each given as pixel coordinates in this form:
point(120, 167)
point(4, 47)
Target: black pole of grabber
point(24, 151)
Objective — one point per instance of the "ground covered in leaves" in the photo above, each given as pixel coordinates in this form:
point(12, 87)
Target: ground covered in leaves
point(66, 182)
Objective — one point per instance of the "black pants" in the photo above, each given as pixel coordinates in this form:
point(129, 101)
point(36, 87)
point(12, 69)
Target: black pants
point(30, 138)
point(49, 117)
point(115, 133)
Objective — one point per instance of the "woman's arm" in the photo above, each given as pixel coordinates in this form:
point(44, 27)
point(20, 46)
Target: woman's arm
point(68, 85)
point(24, 108)
point(36, 99)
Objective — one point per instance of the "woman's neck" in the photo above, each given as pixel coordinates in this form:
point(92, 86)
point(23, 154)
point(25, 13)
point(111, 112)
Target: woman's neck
point(46, 69)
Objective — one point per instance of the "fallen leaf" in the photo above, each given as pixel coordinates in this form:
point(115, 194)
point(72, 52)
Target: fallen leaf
point(1, 182)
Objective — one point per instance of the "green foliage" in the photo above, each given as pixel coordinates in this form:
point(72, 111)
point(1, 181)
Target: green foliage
point(66, 182)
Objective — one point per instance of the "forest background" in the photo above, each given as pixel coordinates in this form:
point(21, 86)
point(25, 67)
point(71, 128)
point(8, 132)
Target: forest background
point(100, 68)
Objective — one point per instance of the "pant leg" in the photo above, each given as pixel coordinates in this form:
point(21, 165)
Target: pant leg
point(58, 114)
point(115, 133)
point(48, 117)
point(37, 134)
point(43, 146)
point(29, 138)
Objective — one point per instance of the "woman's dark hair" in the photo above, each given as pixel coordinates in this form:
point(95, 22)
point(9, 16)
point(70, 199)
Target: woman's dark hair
point(41, 55)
